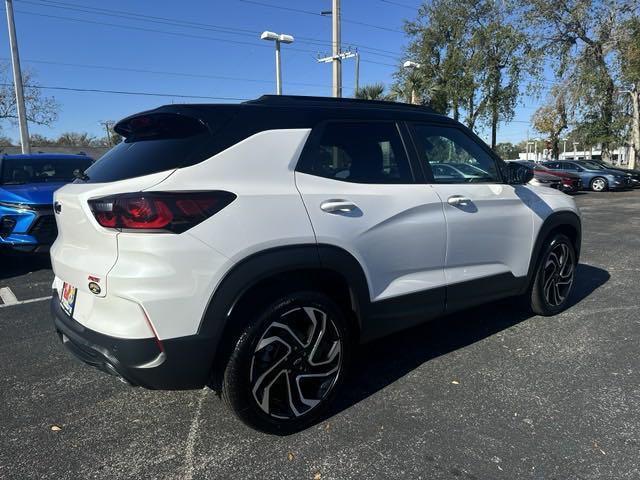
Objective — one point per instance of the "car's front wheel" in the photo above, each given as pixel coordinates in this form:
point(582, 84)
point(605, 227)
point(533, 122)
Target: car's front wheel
point(288, 363)
point(554, 277)
point(599, 184)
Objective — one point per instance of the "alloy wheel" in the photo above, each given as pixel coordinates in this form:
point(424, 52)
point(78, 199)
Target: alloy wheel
point(558, 273)
point(296, 362)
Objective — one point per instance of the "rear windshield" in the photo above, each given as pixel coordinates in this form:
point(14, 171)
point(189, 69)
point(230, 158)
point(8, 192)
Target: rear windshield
point(154, 143)
point(40, 170)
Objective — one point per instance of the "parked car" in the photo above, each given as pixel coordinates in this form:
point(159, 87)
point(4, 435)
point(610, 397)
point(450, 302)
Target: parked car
point(27, 183)
point(250, 247)
point(594, 177)
point(570, 182)
point(633, 173)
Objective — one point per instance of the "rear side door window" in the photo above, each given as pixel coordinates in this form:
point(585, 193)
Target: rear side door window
point(358, 152)
point(452, 156)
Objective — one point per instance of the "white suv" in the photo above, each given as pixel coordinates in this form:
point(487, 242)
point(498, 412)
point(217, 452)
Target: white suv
point(249, 247)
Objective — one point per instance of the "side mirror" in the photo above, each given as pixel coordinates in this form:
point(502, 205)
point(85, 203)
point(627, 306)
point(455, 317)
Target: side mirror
point(519, 174)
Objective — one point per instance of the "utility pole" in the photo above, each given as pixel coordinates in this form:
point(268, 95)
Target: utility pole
point(343, 56)
point(17, 80)
point(107, 126)
point(337, 61)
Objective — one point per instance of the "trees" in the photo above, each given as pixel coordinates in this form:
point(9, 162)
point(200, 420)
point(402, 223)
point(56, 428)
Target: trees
point(580, 37)
point(471, 57)
point(629, 62)
point(508, 150)
point(551, 120)
point(40, 109)
point(374, 91)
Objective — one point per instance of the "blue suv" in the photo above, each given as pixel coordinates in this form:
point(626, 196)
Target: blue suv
point(27, 183)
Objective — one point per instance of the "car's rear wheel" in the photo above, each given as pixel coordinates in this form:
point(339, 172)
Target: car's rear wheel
point(288, 363)
point(554, 277)
point(599, 184)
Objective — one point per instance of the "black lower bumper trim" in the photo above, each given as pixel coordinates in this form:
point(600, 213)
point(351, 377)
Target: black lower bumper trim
point(185, 362)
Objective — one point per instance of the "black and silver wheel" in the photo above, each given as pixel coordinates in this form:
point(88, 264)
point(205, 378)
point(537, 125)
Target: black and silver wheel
point(599, 184)
point(288, 363)
point(555, 277)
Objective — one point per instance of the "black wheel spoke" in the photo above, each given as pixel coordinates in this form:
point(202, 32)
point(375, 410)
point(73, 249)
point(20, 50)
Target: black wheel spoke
point(304, 366)
point(558, 272)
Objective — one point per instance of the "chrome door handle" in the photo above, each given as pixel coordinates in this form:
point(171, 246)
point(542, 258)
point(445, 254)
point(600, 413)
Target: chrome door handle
point(338, 206)
point(458, 200)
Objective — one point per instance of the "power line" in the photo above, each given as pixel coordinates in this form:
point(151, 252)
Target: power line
point(398, 4)
point(164, 72)
point(144, 29)
point(189, 24)
point(309, 12)
point(124, 92)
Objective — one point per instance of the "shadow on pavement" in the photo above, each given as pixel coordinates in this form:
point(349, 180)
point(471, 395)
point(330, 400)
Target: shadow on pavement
point(15, 265)
point(384, 361)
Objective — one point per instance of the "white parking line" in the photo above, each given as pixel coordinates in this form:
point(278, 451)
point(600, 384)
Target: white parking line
point(9, 299)
point(22, 302)
point(7, 296)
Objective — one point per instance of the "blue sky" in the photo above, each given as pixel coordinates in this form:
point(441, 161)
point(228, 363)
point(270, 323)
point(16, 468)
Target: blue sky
point(58, 45)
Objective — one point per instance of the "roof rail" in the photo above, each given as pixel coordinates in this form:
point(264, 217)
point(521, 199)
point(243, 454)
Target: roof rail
point(332, 101)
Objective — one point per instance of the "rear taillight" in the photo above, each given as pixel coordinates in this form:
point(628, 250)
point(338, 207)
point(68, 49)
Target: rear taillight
point(158, 211)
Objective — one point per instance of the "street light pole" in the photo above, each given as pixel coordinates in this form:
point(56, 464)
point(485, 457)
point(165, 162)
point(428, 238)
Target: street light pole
point(17, 80)
point(357, 73)
point(412, 65)
point(278, 70)
point(278, 39)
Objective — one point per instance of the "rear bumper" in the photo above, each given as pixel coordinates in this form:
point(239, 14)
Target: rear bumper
point(174, 364)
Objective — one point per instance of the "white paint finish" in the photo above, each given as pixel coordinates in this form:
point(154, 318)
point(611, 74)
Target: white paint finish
point(83, 247)
point(491, 234)
point(397, 232)
point(111, 315)
point(8, 298)
point(268, 211)
point(172, 277)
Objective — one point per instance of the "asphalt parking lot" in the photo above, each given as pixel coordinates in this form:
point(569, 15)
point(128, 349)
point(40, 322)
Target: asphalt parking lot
point(487, 393)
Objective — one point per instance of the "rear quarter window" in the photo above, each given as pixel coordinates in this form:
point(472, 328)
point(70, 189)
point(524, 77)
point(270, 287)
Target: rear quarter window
point(155, 143)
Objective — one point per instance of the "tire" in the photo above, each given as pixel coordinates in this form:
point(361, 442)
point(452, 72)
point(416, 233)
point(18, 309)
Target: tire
point(288, 363)
point(599, 184)
point(554, 277)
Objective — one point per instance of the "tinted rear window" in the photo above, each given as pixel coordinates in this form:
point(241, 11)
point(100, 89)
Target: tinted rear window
point(154, 143)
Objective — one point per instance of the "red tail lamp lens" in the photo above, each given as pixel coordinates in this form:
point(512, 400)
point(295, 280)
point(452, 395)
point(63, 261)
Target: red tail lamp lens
point(158, 211)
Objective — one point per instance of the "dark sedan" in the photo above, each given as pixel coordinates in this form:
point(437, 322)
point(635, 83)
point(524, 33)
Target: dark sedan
point(633, 173)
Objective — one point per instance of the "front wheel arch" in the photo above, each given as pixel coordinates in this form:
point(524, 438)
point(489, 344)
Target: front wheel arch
point(567, 223)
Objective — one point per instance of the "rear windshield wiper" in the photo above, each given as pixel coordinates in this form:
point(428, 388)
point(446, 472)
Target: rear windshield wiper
point(13, 182)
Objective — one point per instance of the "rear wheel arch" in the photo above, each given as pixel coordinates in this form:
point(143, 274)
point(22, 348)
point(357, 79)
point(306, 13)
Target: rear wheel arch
point(265, 276)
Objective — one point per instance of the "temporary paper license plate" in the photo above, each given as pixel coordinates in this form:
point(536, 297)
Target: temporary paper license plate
point(68, 298)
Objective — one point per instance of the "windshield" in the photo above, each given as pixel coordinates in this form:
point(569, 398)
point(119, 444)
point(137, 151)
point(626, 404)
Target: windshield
point(470, 169)
point(40, 170)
